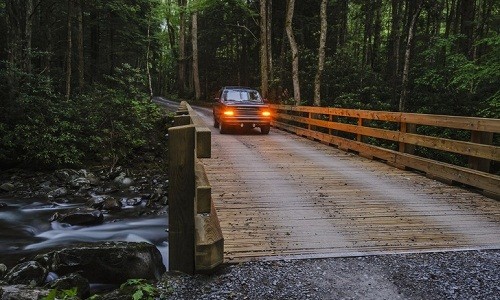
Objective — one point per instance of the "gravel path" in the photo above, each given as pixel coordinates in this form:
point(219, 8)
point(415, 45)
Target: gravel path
point(445, 275)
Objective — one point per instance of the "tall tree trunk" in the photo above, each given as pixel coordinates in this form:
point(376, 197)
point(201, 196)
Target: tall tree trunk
point(393, 46)
point(376, 36)
point(196, 76)
point(467, 26)
point(264, 62)
point(295, 51)
point(148, 63)
point(406, 67)
point(269, 40)
point(94, 45)
point(182, 49)
point(81, 70)
point(321, 54)
point(68, 50)
point(28, 36)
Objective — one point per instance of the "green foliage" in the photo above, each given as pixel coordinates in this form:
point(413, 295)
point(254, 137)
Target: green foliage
point(140, 288)
point(62, 295)
point(41, 129)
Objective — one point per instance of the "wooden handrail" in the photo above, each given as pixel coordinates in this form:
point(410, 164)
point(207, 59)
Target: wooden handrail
point(196, 243)
point(331, 125)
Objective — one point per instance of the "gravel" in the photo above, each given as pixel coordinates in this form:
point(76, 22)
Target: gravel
point(442, 275)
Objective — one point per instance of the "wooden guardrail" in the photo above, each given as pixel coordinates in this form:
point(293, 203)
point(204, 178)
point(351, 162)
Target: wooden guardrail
point(195, 237)
point(403, 139)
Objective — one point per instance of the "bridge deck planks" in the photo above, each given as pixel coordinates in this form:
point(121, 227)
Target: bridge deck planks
point(283, 196)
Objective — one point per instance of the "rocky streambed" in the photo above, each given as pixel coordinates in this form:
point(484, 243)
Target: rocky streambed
point(80, 228)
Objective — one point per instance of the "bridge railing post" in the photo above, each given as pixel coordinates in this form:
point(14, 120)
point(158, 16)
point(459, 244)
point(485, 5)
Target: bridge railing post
point(181, 196)
point(196, 243)
point(476, 163)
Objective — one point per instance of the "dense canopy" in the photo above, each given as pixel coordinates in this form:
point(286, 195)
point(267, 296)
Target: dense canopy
point(77, 75)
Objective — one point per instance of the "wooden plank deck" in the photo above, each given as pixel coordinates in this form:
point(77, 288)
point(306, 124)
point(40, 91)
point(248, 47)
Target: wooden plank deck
point(282, 196)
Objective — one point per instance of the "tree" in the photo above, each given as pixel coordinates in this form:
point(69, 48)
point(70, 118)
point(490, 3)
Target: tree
point(81, 67)
point(264, 46)
point(406, 66)
point(69, 49)
point(194, 37)
point(321, 54)
point(182, 60)
point(295, 51)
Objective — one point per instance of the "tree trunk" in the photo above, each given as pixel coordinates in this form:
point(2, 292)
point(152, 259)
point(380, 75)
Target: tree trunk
point(81, 70)
point(148, 64)
point(394, 48)
point(264, 62)
point(467, 26)
point(182, 49)
point(269, 40)
point(68, 51)
point(94, 45)
point(28, 36)
point(406, 67)
point(376, 36)
point(295, 51)
point(196, 76)
point(321, 54)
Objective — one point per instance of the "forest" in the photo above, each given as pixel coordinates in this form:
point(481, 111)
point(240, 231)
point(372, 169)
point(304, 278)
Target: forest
point(78, 76)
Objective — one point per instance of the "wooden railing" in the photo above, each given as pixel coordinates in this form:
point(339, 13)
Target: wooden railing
point(195, 237)
point(405, 139)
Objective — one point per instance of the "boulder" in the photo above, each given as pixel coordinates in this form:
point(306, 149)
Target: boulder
point(123, 181)
point(105, 202)
point(7, 187)
point(29, 273)
point(79, 216)
point(132, 201)
point(22, 292)
point(66, 175)
point(80, 182)
point(59, 192)
point(70, 281)
point(3, 270)
point(108, 262)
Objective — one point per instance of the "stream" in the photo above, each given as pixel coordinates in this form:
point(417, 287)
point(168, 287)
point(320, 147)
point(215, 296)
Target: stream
point(25, 228)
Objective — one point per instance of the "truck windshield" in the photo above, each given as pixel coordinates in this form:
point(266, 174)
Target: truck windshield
point(242, 96)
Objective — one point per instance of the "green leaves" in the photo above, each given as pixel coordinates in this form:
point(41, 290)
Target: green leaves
point(142, 290)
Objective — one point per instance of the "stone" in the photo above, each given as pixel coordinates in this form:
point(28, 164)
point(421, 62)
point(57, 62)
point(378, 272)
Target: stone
point(59, 192)
point(80, 182)
point(3, 206)
point(79, 216)
point(29, 273)
point(71, 281)
point(108, 262)
point(7, 187)
point(112, 204)
point(22, 292)
point(123, 181)
point(66, 175)
point(3, 270)
point(132, 201)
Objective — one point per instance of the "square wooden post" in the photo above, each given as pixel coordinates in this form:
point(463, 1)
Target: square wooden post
point(181, 196)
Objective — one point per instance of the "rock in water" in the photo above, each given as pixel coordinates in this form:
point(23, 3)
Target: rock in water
point(7, 187)
point(70, 281)
point(29, 273)
point(110, 262)
point(22, 292)
point(80, 216)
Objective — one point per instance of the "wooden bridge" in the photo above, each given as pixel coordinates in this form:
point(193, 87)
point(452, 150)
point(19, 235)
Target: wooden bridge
point(285, 196)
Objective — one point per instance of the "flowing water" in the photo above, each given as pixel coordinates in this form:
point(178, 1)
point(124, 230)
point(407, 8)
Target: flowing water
point(25, 229)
